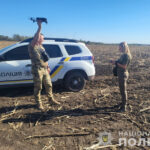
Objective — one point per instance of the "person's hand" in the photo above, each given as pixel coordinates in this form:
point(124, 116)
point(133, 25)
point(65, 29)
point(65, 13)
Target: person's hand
point(39, 22)
point(48, 69)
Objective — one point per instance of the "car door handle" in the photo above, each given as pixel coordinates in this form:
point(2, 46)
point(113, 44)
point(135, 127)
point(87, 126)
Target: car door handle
point(28, 65)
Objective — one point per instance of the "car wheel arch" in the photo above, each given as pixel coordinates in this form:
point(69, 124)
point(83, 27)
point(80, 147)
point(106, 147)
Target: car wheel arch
point(75, 80)
point(76, 70)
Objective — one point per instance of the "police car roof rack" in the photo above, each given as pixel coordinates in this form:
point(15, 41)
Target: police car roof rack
point(53, 39)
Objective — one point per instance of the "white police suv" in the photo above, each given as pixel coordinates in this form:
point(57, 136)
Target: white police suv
point(70, 61)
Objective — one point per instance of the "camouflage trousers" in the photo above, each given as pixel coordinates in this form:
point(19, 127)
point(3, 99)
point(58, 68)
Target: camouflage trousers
point(40, 77)
point(122, 78)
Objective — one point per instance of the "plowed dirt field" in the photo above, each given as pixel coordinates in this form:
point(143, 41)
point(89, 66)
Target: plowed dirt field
point(82, 116)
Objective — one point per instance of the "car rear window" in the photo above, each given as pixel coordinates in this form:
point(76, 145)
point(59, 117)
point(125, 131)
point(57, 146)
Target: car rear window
point(53, 50)
point(72, 49)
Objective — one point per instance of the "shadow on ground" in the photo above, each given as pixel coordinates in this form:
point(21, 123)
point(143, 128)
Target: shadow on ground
point(48, 115)
point(27, 91)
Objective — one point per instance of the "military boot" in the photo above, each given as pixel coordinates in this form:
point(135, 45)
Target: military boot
point(40, 106)
point(122, 108)
point(52, 101)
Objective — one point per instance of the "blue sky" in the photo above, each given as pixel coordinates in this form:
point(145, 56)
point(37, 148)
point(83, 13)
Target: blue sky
point(108, 21)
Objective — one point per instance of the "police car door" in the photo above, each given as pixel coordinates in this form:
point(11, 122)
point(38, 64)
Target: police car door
point(16, 67)
point(54, 62)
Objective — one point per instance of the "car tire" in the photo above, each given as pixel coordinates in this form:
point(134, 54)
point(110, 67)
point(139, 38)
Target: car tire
point(75, 81)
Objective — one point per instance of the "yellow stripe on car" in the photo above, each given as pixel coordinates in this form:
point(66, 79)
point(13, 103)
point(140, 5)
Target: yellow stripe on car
point(67, 59)
point(58, 69)
point(16, 81)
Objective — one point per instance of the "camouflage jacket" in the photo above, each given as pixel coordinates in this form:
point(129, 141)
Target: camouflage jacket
point(35, 55)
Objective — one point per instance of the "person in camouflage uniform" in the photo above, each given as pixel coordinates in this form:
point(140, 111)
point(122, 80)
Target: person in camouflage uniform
point(40, 69)
point(122, 72)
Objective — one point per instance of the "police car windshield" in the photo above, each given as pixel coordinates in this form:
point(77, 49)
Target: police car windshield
point(5, 48)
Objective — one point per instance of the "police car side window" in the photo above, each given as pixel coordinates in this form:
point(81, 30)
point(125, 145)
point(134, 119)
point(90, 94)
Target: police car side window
point(19, 53)
point(72, 49)
point(53, 50)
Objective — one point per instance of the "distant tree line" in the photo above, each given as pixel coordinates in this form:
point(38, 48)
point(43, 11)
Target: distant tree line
point(15, 37)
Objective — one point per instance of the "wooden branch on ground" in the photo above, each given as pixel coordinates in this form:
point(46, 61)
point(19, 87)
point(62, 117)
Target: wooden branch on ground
point(14, 111)
point(58, 135)
point(97, 146)
point(145, 109)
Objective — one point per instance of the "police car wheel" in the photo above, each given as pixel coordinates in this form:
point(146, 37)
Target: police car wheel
point(75, 82)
